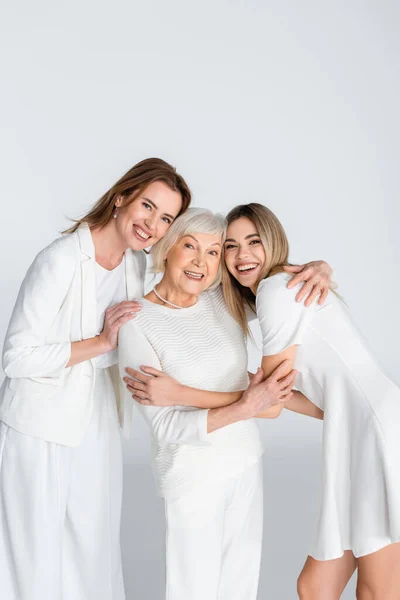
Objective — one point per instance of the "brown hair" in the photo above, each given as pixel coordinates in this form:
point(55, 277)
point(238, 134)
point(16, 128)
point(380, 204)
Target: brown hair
point(276, 245)
point(130, 186)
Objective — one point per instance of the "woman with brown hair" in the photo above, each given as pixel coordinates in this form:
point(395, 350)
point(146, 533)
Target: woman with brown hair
point(359, 517)
point(60, 446)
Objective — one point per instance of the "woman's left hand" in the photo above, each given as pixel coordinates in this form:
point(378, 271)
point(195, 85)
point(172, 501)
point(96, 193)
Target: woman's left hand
point(151, 386)
point(317, 278)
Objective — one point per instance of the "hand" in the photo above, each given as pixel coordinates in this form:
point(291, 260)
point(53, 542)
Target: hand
point(114, 318)
point(317, 277)
point(156, 388)
point(262, 394)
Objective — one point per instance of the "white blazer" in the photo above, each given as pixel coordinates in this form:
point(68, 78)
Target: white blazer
point(57, 305)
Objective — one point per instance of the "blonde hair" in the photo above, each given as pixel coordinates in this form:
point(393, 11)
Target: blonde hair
point(276, 246)
point(130, 186)
point(194, 220)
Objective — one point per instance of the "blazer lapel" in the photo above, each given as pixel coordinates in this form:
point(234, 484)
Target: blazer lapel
point(89, 303)
point(133, 275)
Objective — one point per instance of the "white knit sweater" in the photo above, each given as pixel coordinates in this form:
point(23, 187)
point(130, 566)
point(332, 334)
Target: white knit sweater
point(202, 347)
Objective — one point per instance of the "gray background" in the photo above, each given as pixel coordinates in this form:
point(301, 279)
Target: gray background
point(293, 104)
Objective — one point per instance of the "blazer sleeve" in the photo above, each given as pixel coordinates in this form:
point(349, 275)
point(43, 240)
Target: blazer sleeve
point(283, 321)
point(171, 424)
point(42, 293)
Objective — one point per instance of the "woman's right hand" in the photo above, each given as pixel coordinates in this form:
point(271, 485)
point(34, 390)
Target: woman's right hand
point(262, 393)
point(114, 318)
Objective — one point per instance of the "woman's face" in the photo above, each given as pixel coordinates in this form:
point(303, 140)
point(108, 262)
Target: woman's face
point(244, 252)
point(193, 262)
point(143, 222)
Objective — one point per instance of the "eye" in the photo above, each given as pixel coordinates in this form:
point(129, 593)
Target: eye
point(166, 220)
point(187, 245)
point(146, 205)
point(255, 242)
point(229, 246)
point(214, 253)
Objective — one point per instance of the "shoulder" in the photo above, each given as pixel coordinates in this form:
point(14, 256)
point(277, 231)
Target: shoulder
point(215, 296)
point(273, 291)
point(60, 255)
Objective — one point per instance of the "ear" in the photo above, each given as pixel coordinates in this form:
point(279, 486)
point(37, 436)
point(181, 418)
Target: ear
point(118, 202)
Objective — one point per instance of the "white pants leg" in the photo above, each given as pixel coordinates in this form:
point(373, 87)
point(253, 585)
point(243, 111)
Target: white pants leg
point(214, 538)
point(60, 511)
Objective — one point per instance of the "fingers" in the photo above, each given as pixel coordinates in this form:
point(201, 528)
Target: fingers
point(115, 312)
point(135, 385)
point(151, 371)
point(257, 377)
point(293, 268)
point(137, 374)
point(323, 296)
point(138, 395)
point(280, 371)
point(289, 380)
point(305, 290)
point(314, 293)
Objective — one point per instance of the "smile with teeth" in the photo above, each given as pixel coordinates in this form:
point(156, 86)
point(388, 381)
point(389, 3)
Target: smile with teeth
point(193, 275)
point(141, 233)
point(247, 267)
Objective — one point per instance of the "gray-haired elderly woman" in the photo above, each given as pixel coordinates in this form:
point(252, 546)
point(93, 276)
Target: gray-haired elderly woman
point(207, 462)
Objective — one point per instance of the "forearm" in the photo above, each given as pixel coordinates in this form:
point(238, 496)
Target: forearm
point(225, 415)
point(271, 413)
point(86, 350)
point(188, 396)
point(302, 405)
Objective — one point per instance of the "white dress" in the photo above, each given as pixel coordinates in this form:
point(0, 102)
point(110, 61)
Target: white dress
point(360, 495)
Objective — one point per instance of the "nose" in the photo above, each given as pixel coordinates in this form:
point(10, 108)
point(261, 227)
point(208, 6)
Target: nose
point(150, 221)
point(242, 252)
point(199, 260)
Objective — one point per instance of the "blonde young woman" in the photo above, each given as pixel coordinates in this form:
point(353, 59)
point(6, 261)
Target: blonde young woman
point(359, 517)
point(60, 449)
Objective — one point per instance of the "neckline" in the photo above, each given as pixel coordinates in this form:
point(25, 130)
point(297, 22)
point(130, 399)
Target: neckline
point(111, 270)
point(175, 311)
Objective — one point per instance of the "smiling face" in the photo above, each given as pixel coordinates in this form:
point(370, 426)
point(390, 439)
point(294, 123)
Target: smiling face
point(192, 264)
point(244, 252)
point(144, 221)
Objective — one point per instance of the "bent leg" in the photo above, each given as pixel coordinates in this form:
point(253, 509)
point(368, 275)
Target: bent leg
point(33, 482)
point(325, 580)
point(242, 538)
point(379, 574)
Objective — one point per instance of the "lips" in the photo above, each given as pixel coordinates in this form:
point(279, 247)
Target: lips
point(141, 233)
point(193, 275)
point(246, 267)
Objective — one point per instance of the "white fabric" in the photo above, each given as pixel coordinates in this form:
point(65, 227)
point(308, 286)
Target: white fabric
point(110, 290)
point(360, 496)
point(60, 511)
point(214, 539)
point(56, 305)
point(202, 347)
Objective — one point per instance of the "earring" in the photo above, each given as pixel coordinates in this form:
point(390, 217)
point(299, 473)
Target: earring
point(115, 213)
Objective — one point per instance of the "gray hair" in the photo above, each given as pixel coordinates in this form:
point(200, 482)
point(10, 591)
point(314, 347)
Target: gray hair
point(194, 220)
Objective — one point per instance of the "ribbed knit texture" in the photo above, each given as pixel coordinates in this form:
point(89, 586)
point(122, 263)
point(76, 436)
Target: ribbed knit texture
point(202, 347)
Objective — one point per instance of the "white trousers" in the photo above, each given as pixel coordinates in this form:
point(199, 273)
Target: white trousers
point(60, 511)
point(214, 539)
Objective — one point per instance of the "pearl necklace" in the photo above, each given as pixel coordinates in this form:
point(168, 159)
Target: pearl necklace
point(169, 303)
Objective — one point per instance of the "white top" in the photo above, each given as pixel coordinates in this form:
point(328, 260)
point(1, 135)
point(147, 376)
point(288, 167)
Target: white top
point(360, 495)
point(203, 347)
point(110, 290)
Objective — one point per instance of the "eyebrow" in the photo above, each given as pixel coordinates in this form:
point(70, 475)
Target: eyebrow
point(251, 235)
point(156, 207)
point(193, 238)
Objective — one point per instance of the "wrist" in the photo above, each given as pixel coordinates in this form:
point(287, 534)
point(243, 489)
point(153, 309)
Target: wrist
point(102, 345)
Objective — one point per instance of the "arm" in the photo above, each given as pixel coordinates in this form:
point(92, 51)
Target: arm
point(302, 405)
point(269, 363)
point(42, 292)
point(161, 389)
point(317, 281)
point(174, 425)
